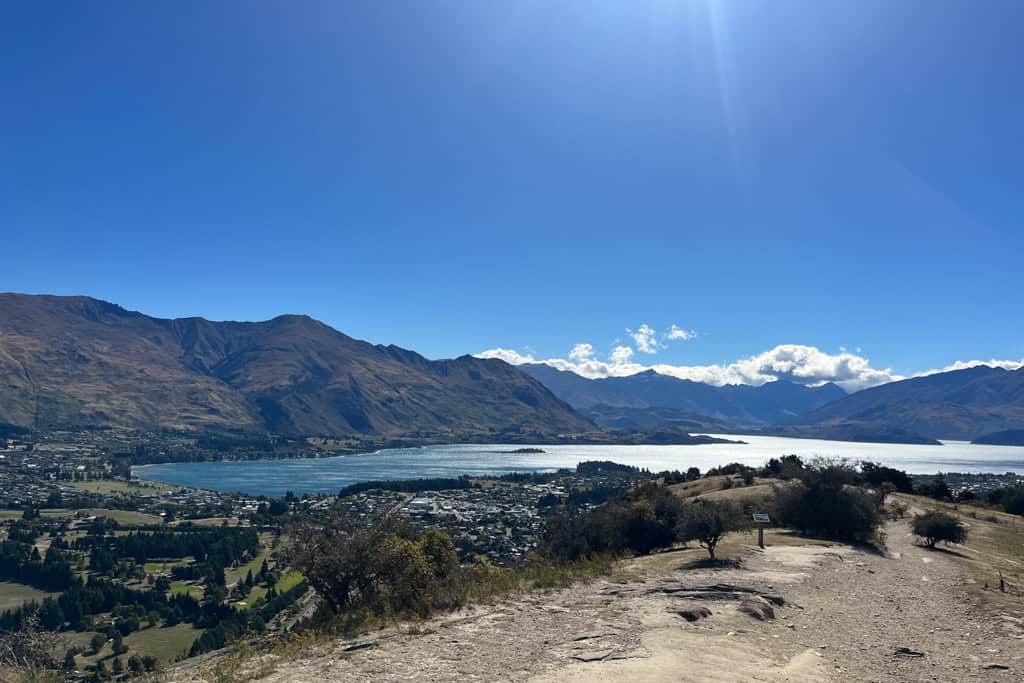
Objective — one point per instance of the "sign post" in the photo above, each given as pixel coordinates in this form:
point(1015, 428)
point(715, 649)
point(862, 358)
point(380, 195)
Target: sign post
point(762, 520)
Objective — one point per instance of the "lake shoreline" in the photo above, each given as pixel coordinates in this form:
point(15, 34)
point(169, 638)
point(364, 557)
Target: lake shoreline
point(329, 474)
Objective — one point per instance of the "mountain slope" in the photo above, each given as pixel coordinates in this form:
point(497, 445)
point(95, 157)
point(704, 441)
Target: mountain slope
point(962, 404)
point(740, 405)
point(76, 361)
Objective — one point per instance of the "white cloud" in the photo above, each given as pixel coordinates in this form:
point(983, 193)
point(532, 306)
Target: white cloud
point(621, 355)
point(964, 364)
point(508, 355)
point(677, 333)
point(793, 362)
point(581, 353)
point(645, 337)
point(796, 363)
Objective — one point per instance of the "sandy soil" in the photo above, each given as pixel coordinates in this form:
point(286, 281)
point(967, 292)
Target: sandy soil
point(844, 616)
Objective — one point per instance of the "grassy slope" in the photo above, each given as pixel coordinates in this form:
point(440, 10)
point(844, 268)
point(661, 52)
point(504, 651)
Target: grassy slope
point(123, 516)
point(13, 595)
point(119, 486)
point(711, 488)
point(995, 543)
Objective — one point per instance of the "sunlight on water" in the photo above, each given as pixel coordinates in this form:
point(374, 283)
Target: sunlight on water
point(327, 475)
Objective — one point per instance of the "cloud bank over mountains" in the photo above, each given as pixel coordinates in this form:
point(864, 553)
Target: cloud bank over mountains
point(793, 362)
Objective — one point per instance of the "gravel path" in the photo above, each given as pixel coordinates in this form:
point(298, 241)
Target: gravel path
point(844, 615)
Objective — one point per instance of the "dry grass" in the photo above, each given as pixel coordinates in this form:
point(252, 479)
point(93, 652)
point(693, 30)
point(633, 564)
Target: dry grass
point(14, 595)
point(995, 545)
point(755, 494)
point(126, 517)
point(116, 486)
point(692, 489)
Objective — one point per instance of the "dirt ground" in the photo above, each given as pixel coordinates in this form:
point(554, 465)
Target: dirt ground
point(792, 612)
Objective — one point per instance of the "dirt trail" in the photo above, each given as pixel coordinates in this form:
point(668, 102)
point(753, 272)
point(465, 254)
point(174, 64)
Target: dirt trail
point(845, 614)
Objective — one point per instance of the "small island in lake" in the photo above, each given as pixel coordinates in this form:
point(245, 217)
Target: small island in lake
point(522, 451)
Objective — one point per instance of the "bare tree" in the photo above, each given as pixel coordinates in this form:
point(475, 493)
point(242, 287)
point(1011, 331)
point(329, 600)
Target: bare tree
point(31, 651)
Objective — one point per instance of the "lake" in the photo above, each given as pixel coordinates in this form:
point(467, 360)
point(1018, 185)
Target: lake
point(328, 475)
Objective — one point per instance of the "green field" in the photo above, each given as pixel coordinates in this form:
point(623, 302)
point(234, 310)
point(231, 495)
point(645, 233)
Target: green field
point(57, 512)
point(195, 591)
point(6, 515)
point(209, 521)
point(13, 595)
point(253, 565)
point(117, 486)
point(256, 593)
point(163, 643)
point(289, 580)
point(161, 567)
point(127, 517)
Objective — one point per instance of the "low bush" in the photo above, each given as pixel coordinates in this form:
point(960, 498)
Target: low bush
point(934, 527)
point(707, 521)
point(825, 502)
point(876, 475)
point(1010, 499)
point(787, 467)
point(385, 570)
point(637, 522)
point(934, 488)
point(390, 570)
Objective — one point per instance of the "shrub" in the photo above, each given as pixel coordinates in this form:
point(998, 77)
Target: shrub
point(707, 521)
point(639, 521)
point(1011, 499)
point(826, 503)
point(938, 526)
point(785, 468)
point(732, 468)
point(385, 570)
point(876, 475)
point(935, 488)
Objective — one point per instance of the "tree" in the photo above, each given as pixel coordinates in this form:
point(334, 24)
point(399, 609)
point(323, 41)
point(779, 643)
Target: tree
point(215, 593)
point(937, 488)
point(118, 646)
point(117, 668)
point(1010, 499)
point(149, 663)
point(826, 502)
point(96, 643)
point(938, 526)
point(707, 521)
point(386, 569)
point(51, 616)
point(877, 475)
point(135, 665)
point(29, 651)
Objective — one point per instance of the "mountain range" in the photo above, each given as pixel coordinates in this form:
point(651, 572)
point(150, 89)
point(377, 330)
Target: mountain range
point(738, 405)
point(80, 362)
point(960, 405)
point(77, 362)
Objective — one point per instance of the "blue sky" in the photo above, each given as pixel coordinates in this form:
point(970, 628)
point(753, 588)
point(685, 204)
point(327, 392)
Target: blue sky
point(461, 176)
